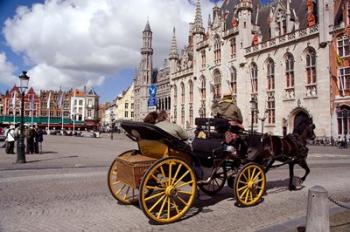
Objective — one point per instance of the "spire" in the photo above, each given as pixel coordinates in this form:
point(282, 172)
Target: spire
point(147, 27)
point(173, 51)
point(209, 21)
point(198, 22)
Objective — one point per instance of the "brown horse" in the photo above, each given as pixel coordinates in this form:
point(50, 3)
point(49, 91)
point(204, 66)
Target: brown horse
point(290, 150)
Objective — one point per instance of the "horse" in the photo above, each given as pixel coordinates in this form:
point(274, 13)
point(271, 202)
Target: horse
point(290, 150)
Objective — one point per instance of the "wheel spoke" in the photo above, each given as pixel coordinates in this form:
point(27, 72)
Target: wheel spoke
point(182, 200)
point(115, 182)
point(162, 170)
point(155, 204)
point(258, 181)
point(240, 181)
point(176, 173)
point(176, 208)
point(169, 179)
point(185, 174)
point(252, 176)
point(168, 207)
point(245, 176)
point(241, 188)
point(246, 196)
point(126, 193)
point(156, 178)
point(154, 196)
point(251, 195)
point(117, 193)
point(161, 208)
point(183, 192)
point(249, 174)
point(242, 194)
point(154, 187)
point(183, 184)
point(257, 176)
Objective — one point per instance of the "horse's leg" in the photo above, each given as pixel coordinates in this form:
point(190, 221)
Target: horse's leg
point(291, 175)
point(304, 165)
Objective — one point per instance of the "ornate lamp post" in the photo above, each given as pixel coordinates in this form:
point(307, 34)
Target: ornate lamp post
point(23, 85)
point(253, 108)
point(111, 116)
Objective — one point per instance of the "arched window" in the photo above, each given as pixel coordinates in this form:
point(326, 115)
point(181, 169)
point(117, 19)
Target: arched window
point(233, 47)
point(270, 110)
point(254, 78)
point(182, 86)
point(202, 111)
point(217, 84)
point(343, 117)
point(175, 94)
point(204, 59)
point(217, 49)
point(233, 82)
point(311, 72)
point(190, 86)
point(270, 75)
point(289, 71)
point(281, 22)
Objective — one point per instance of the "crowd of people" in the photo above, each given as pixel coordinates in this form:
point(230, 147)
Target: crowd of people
point(33, 137)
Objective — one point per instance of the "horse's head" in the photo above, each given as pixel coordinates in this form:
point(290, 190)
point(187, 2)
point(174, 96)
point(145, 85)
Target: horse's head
point(307, 130)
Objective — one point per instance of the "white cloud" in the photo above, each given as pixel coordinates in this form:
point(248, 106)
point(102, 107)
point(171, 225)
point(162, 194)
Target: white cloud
point(6, 70)
point(75, 42)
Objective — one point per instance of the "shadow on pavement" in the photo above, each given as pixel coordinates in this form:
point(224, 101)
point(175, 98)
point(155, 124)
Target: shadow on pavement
point(34, 161)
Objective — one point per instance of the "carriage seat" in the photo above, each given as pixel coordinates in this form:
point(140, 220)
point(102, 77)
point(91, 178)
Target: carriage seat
point(149, 136)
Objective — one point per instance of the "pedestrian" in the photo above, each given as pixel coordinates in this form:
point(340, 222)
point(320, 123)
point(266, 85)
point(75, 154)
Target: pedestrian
point(4, 145)
point(30, 140)
point(39, 138)
point(10, 138)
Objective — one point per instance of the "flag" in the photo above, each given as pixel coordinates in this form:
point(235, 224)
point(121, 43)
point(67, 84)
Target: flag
point(14, 100)
point(60, 101)
point(48, 101)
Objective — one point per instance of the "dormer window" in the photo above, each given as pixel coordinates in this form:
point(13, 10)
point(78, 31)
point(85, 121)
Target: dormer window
point(281, 23)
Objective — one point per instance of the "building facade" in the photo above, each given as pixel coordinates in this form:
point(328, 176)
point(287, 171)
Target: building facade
point(125, 104)
point(271, 54)
point(163, 87)
point(340, 71)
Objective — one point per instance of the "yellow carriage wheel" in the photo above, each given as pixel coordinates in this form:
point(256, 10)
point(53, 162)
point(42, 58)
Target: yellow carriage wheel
point(174, 187)
point(124, 193)
point(250, 184)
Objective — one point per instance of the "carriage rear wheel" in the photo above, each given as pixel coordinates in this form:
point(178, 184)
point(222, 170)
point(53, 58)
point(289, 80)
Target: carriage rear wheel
point(216, 183)
point(174, 187)
point(250, 184)
point(124, 193)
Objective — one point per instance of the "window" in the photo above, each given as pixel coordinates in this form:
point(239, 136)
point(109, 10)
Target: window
point(175, 94)
point(343, 117)
point(190, 84)
point(217, 84)
point(81, 102)
point(182, 86)
point(344, 79)
point(271, 110)
point(126, 114)
point(270, 75)
point(217, 50)
point(289, 71)
point(191, 114)
point(183, 115)
point(343, 46)
point(89, 113)
point(281, 22)
point(89, 103)
point(132, 106)
point(254, 78)
point(233, 47)
point(204, 60)
point(233, 82)
point(132, 114)
point(311, 73)
point(126, 105)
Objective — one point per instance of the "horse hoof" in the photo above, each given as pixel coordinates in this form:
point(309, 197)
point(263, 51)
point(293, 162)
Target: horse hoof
point(292, 188)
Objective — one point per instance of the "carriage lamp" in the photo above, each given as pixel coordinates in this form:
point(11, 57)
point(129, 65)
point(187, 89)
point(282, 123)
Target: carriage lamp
point(23, 86)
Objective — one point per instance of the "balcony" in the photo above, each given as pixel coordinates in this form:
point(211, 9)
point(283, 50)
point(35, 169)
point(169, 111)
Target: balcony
point(281, 40)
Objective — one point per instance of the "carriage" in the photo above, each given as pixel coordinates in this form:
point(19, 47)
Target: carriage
point(163, 174)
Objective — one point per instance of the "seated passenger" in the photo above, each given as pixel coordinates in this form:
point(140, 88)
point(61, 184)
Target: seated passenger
point(151, 117)
point(173, 129)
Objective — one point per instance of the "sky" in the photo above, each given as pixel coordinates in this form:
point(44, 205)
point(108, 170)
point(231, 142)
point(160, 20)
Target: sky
point(75, 43)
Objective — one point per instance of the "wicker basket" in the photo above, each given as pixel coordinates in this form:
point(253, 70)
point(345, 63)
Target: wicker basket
point(132, 167)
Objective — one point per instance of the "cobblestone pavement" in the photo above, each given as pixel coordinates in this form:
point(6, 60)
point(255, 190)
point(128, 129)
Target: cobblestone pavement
point(65, 189)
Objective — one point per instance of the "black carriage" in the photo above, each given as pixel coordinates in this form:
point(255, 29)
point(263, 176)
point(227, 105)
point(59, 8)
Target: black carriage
point(164, 172)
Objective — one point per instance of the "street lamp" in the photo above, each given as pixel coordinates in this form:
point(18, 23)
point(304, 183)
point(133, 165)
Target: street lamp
point(23, 85)
point(111, 117)
point(253, 108)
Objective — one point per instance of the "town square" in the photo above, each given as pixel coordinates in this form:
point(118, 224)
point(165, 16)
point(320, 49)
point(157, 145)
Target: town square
point(181, 115)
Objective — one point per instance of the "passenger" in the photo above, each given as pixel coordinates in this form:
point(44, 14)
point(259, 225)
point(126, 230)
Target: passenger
point(151, 117)
point(173, 129)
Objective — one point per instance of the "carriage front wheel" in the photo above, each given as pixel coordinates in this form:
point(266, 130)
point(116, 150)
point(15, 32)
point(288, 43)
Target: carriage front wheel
point(174, 186)
point(124, 193)
point(250, 184)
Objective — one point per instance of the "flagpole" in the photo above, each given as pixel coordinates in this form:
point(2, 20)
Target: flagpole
point(62, 119)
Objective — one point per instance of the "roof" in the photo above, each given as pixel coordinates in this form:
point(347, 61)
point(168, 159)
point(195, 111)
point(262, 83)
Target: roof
point(263, 13)
point(92, 92)
point(78, 93)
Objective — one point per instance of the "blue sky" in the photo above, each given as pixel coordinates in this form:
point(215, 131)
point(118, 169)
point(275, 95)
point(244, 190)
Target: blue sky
point(107, 62)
